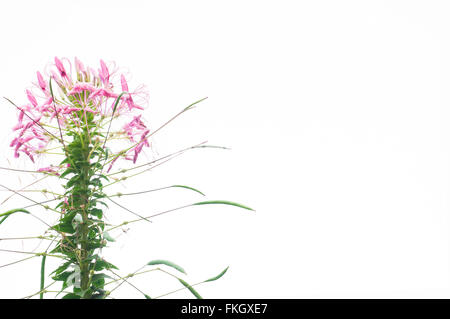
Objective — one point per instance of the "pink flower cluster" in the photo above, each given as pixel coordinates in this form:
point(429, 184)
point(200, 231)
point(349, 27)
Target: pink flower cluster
point(77, 91)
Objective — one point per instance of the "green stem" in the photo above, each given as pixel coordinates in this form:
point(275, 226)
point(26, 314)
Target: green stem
point(41, 295)
point(84, 264)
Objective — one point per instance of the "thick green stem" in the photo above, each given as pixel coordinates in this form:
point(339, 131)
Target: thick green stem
point(80, 218)
point(84, 205)
point(84, 265)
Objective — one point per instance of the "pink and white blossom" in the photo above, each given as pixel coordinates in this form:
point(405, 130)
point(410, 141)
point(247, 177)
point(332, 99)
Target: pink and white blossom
point(77, 92)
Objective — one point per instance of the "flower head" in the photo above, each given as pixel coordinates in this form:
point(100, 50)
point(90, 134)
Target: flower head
point(62, 102)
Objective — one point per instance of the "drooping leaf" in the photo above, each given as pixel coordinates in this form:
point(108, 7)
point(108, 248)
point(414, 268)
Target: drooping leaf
point(103, 264)
point(103, 203)
point(96, 212)
point(95, 243)
point(63, 276)
point(12, 211)
point(218, 276)
point(107, 236)
point(67, 172)
point(98, 280)
point(65, 228)
point(96, 182)
point(147, 296)
point(188, 187)
point(104, 177)
point(167, 263)
point(61, 268)
point(224, 202)
point(191, 289)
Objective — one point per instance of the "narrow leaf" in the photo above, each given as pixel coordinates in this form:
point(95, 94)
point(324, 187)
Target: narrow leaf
point(218, 276)
point(212, 146)
point(117, 102)
point(193, 104)
point(61, 268)
point(224, 202)
point(51, 89)
point(188, 187)
point(12, 211)
point(102, 264)
point(107, 236)
point(191, 289)
point(167, 263)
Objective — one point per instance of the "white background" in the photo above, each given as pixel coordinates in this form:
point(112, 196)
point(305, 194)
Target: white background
point(337, 113)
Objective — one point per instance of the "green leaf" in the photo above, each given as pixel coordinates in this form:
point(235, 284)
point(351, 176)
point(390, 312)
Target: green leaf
point(65, 228)
point(167, 263)
point(96, 182)
point(67, 172)
point(50, 86)
point(147, 296)
point(41, 295)
point(107, 236)
point(103, 203)
point(62, 276)
point(98, 280)
point(224, 202)
point(94, 244)
point(188, 187)
point(61, 268)
point(72, 181)
point(191, 289)
point(100, 276)
point(218, 276)
point(193, 104)
point(117, 102)
point(103, 264)
point(12, 211)
point(103, 176)
point(98, 195)
point(96, 212)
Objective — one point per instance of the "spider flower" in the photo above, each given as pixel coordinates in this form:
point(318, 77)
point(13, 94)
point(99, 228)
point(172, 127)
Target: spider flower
point(62, 98)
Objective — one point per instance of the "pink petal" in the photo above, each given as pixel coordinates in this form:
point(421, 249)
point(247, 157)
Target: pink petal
point(124, 83)
point(21, 114)
point(104, 73)
point(41, 82)
point(103, 92)
point(14, 142)
point(49, 169)
point(80, 87)
point(17, 127)
point(29, 155)
point(88, 109)
point(31, 98)
point(60, 67)
point(79, 66)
